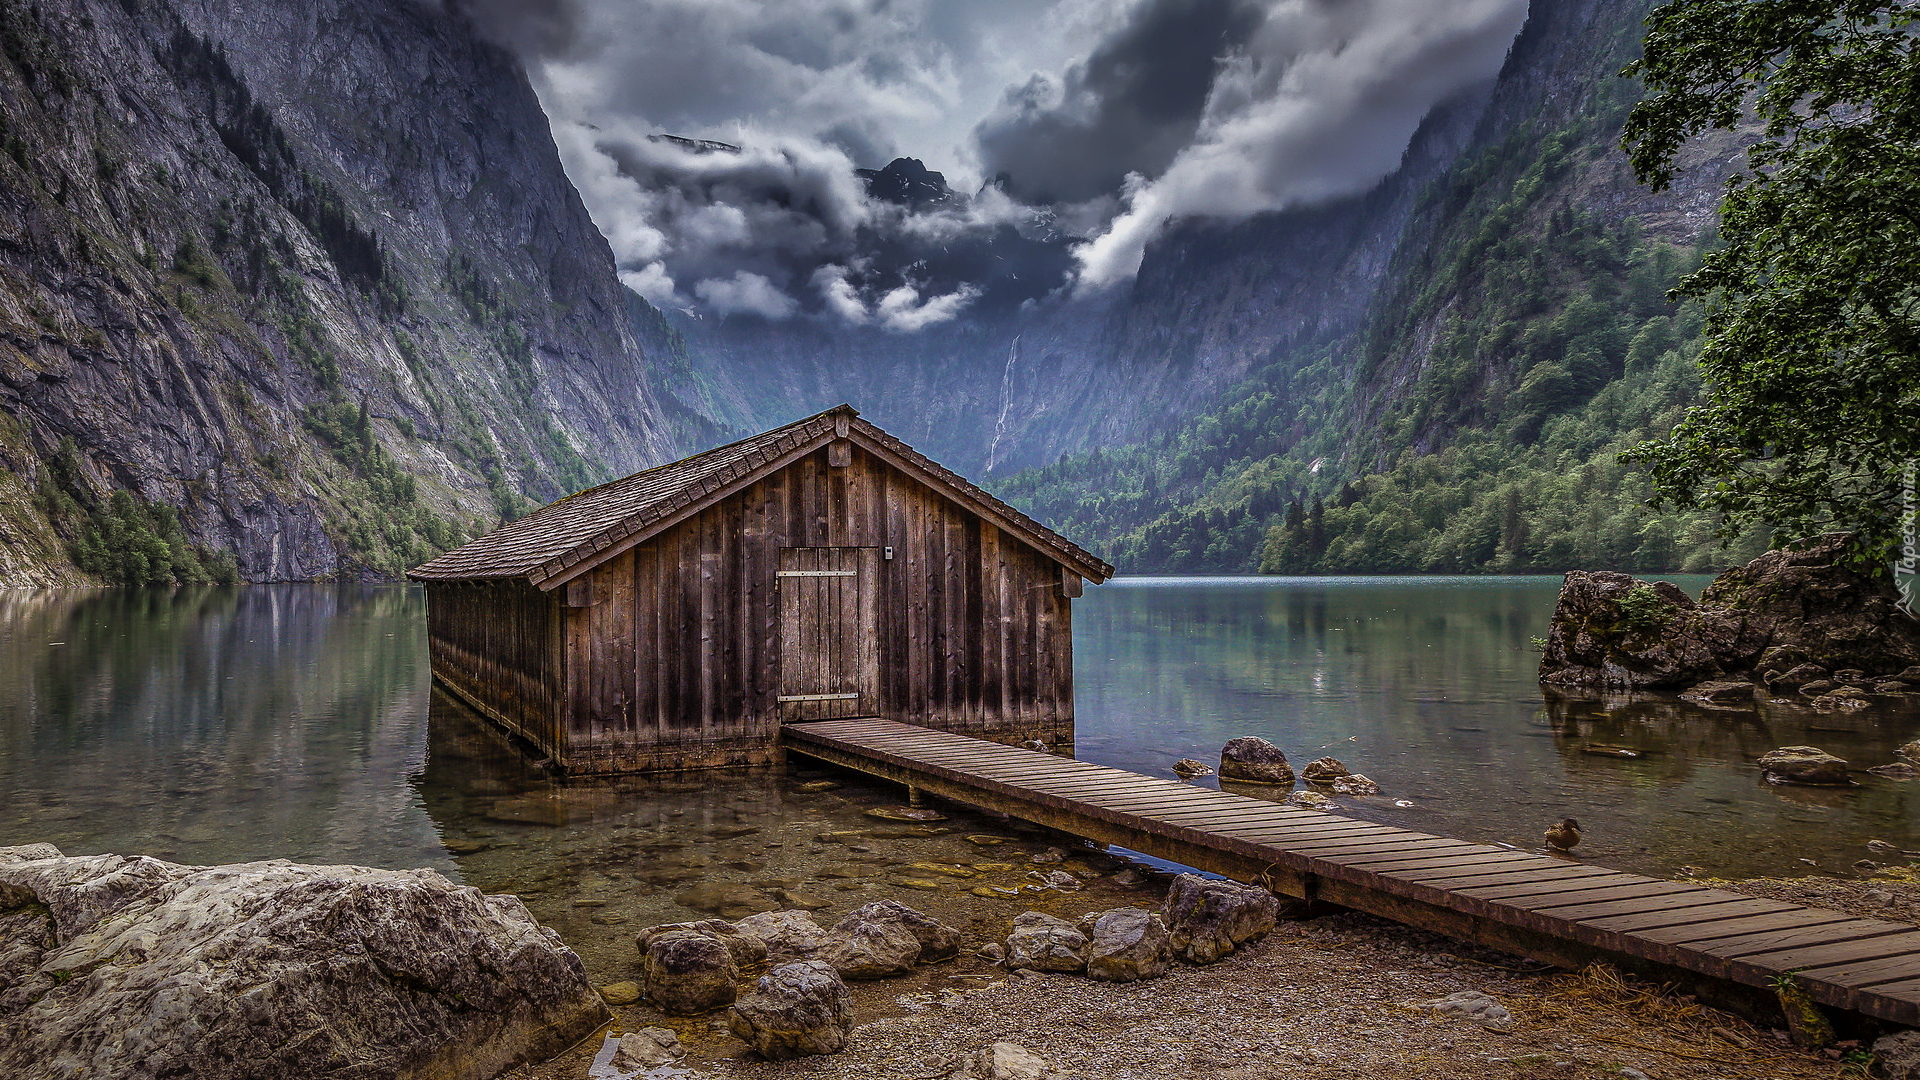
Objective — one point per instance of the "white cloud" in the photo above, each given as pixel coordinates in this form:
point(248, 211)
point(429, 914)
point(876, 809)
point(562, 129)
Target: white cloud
point(745, 293)
point(1322, 103)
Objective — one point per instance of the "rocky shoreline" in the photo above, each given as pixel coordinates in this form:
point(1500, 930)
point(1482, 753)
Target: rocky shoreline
point(1338, 996)
point(129, 967)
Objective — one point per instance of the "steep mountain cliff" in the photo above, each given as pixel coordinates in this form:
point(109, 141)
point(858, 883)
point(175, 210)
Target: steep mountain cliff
point(1471, 417)
point(291, 290)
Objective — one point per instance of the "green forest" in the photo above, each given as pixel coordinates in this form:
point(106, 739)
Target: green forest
point(1531, 344)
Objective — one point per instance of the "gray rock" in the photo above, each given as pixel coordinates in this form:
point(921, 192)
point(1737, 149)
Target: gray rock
point(1253, 760)
point(1897, 1056)
point(1910, 752)
point(1849, 675)
point(1189, 767)
point(868, 949)
point(1816, 687)
point(1312, 800)
point(1041, 942)
point(796, 1009)
point(1804, 765)
point(648, 1048)
point(1797, 676)
point(1471, 1005)
point(1323, 770)
point(789, 935)
point(275, 969)
point(1892, 686)
point(1898, 770)
point(1719, 692)
point(992, 952)
point(1006, 1061)
point(1208, 919)
point(746, 947)
point(938, 941)
point(685, 972)
point(1126, 945)
point(1356, 784)
point(1787, 611)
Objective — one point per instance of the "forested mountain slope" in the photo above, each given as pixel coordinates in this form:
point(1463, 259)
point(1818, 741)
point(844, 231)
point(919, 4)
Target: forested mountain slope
point(291, 290)
point(1472, 421)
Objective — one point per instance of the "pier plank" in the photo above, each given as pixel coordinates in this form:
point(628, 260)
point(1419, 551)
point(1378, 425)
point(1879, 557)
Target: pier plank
point(1516, 899)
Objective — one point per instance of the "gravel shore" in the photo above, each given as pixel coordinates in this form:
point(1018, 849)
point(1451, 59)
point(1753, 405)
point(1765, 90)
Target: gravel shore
point(1330, 997)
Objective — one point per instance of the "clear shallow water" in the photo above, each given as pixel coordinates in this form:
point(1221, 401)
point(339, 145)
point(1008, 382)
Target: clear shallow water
point(214, 725)
point(1428, 686)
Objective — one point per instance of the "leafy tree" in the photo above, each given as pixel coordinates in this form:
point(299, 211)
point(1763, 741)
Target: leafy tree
point(1812, 349)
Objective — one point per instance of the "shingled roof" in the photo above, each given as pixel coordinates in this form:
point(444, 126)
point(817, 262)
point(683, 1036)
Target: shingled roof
point(546, 545)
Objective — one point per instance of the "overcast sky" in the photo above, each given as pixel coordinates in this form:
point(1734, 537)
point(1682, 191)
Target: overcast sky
point(1103, 120)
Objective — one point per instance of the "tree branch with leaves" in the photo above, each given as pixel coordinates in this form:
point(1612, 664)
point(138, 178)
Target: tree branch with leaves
point(1812, 350)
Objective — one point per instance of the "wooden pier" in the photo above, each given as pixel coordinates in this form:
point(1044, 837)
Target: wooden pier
point(1558, 910)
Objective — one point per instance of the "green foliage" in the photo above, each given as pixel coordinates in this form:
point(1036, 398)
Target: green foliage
point(1557, 351)
point(1812, 348)
point(125, 540)
point(1642, 609)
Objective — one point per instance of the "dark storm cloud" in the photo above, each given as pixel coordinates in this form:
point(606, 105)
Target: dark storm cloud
point(534, 29)
point(1130, 108)
point(1143, 112)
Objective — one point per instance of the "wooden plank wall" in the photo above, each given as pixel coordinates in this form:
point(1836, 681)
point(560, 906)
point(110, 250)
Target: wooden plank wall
point(974, 635)
point(497, 645)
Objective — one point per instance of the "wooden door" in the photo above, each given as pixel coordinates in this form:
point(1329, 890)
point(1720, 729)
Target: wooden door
point(829, 638)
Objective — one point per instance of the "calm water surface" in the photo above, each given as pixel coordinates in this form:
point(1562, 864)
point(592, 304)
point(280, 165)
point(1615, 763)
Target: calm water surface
point(214, 725)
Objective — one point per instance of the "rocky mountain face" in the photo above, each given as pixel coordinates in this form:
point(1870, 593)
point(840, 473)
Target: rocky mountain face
point(292, 290)
point(1440, 376)
point(1016, 386)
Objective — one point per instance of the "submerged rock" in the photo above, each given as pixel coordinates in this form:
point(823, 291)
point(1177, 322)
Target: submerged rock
point(1126, 945)
point(796, 1009)
point(1324, 770)
point(1719, 692)
point(727, 899)
point(1208, 919)
point(274, 969)
point(1805, 765)
point(1354, 784)
point(1251, 759)
point(685, 972)
point(1042, 942)
point(1188, 768)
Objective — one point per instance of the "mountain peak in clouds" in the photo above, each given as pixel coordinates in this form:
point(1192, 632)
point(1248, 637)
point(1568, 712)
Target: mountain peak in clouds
point(908, 182)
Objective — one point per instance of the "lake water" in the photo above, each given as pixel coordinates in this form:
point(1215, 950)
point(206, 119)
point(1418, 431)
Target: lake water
point(222, 724)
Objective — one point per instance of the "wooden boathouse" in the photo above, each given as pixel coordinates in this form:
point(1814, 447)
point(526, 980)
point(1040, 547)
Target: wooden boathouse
point(676, 618)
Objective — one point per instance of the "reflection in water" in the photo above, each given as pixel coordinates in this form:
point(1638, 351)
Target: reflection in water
point(1428, 686)
point(219, 724)
point(216, 724)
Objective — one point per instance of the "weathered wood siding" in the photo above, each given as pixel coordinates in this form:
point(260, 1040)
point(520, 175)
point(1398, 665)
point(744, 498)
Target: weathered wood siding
point(497, 645)
point(676, 661)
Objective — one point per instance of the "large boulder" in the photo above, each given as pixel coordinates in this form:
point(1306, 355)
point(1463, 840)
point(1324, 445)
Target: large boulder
point(1126, 945)
point(1805, 765)
point(862, 948)
point(938, 941)
point(796, 1009)
point(1043, 942)
point(746, 947)
point(1785, 618)
point(686, 972)
point(1251, 759)
point(1207, 919)
point(789, 935)
point(115, 967)
point(1616, 632)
